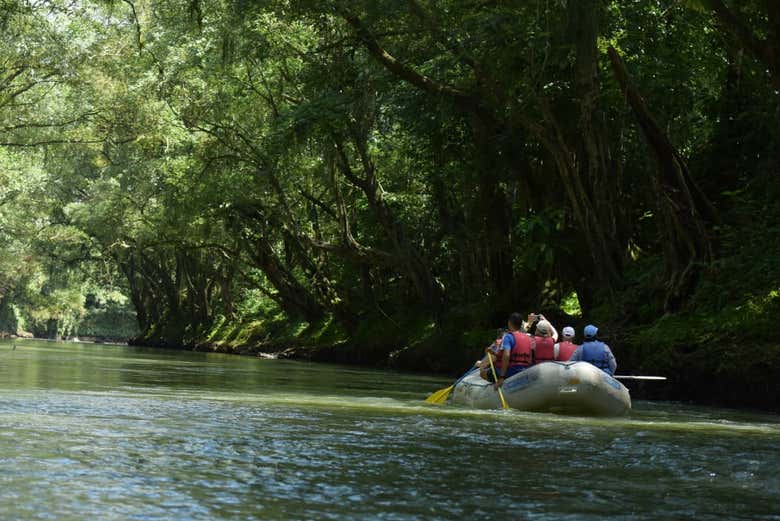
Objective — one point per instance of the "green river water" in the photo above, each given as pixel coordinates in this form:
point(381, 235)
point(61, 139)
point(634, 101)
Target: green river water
point(108, 432)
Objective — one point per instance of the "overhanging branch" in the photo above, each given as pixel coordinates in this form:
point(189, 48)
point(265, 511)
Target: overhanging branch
point(402, 70)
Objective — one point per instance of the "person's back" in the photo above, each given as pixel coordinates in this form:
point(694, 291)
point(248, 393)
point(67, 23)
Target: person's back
point(513, 355)
point(595, 352)
point(544, 349)
point(565, 348)
point(544, 344)
point(522, 353)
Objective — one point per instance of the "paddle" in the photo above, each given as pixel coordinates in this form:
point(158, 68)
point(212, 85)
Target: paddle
point(625, 377)
point(440, 396)
point(495, 379)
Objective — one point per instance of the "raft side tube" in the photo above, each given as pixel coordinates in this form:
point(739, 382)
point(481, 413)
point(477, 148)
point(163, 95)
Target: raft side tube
point(565, 387)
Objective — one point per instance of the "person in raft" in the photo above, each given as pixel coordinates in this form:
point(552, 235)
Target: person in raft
point(566, 347)
point(512, 355)
point(595, 352)
point(545, 337)
point(493, 351)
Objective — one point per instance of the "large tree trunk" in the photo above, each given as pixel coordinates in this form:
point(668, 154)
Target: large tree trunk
point(577, 140)
point(406, 254)
point(297, 299)
point(493, 211)
point(294, 298)
point(155, 297)
point(595, 167)
point(684, 209)
point(137, 293)
point(312, 262)
point(495, 225)
point(596, 242)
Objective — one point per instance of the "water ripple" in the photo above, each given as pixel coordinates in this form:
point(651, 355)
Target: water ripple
point(191, 437)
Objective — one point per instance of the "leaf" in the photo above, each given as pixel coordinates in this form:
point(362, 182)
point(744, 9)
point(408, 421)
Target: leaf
point(695, 5)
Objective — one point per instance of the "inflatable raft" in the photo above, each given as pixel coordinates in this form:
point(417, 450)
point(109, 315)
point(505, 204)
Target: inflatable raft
point(565, 387)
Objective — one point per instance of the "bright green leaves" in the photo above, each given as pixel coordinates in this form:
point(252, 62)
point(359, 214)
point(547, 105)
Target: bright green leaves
point(251, 157)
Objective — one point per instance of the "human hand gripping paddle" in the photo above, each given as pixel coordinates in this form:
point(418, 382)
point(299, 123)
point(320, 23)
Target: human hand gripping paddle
point(495, 379)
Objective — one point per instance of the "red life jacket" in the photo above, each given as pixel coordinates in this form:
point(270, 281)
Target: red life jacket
point(545, 349)
point(565, 350)
point(522, 352)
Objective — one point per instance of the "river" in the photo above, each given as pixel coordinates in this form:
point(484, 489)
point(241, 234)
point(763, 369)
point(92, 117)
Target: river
point(112, 432)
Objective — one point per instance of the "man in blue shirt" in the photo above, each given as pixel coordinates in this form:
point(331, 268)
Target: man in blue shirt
point(502, 352)
point(595, 352)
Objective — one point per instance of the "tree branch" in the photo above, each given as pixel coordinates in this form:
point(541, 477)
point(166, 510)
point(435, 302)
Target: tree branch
point(59, 124)
point(402, 70)
point(455, 47)
point(743, 33)
point(766, 51)
point(137, 24)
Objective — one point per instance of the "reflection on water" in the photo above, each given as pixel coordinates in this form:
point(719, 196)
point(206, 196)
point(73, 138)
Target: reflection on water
point(107, 432)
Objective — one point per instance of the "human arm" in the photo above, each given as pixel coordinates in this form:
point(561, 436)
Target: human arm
point(492, 348)
point(501, 376)
point(531, 320)
point(556, 350)
point(507, 343)
point(554, 332)
point(611, 359)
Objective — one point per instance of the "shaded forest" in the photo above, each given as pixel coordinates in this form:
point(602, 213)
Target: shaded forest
point(383, 182)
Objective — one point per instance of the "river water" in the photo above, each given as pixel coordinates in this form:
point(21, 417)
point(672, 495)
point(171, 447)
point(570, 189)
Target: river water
point(109, 432)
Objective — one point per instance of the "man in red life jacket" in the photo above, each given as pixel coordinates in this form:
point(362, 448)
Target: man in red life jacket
point(514, 353)
point(566, 347)
point(544, 340)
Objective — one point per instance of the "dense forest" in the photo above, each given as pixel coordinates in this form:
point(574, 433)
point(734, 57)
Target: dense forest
point(383, 182)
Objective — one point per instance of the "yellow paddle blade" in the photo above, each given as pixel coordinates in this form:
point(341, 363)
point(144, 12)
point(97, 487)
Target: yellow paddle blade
point(440, 396)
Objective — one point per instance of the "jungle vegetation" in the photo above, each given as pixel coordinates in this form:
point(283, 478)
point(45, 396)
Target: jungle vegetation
point(394, 174)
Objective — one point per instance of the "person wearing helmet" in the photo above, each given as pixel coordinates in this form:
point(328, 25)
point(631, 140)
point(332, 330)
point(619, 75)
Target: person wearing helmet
point(566, 347)
point(595, 352)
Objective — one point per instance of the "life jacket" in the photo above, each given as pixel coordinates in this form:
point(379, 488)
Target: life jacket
point(521, 355)
point(545, 349)
point(497, 352)
point(595, 352)
point(565, 350)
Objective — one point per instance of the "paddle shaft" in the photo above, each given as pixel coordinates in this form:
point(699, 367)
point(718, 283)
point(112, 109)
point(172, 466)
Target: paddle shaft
point(441, 396)
point(495, 379)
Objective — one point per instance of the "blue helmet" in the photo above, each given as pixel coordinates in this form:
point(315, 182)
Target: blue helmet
point(590, 331)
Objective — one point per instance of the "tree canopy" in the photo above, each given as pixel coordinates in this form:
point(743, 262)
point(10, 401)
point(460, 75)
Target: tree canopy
point(336, 161)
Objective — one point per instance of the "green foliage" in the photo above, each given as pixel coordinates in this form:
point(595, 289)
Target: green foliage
point(341, 172)
point(111, 321)
point(571, 305)
point(9, 322)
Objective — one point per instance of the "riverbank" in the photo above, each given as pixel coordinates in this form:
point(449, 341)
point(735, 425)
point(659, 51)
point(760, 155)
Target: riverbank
point(702, 365)
point(718, 346)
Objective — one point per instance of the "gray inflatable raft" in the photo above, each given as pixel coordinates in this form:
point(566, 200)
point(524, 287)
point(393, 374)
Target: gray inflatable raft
point(565, 387)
